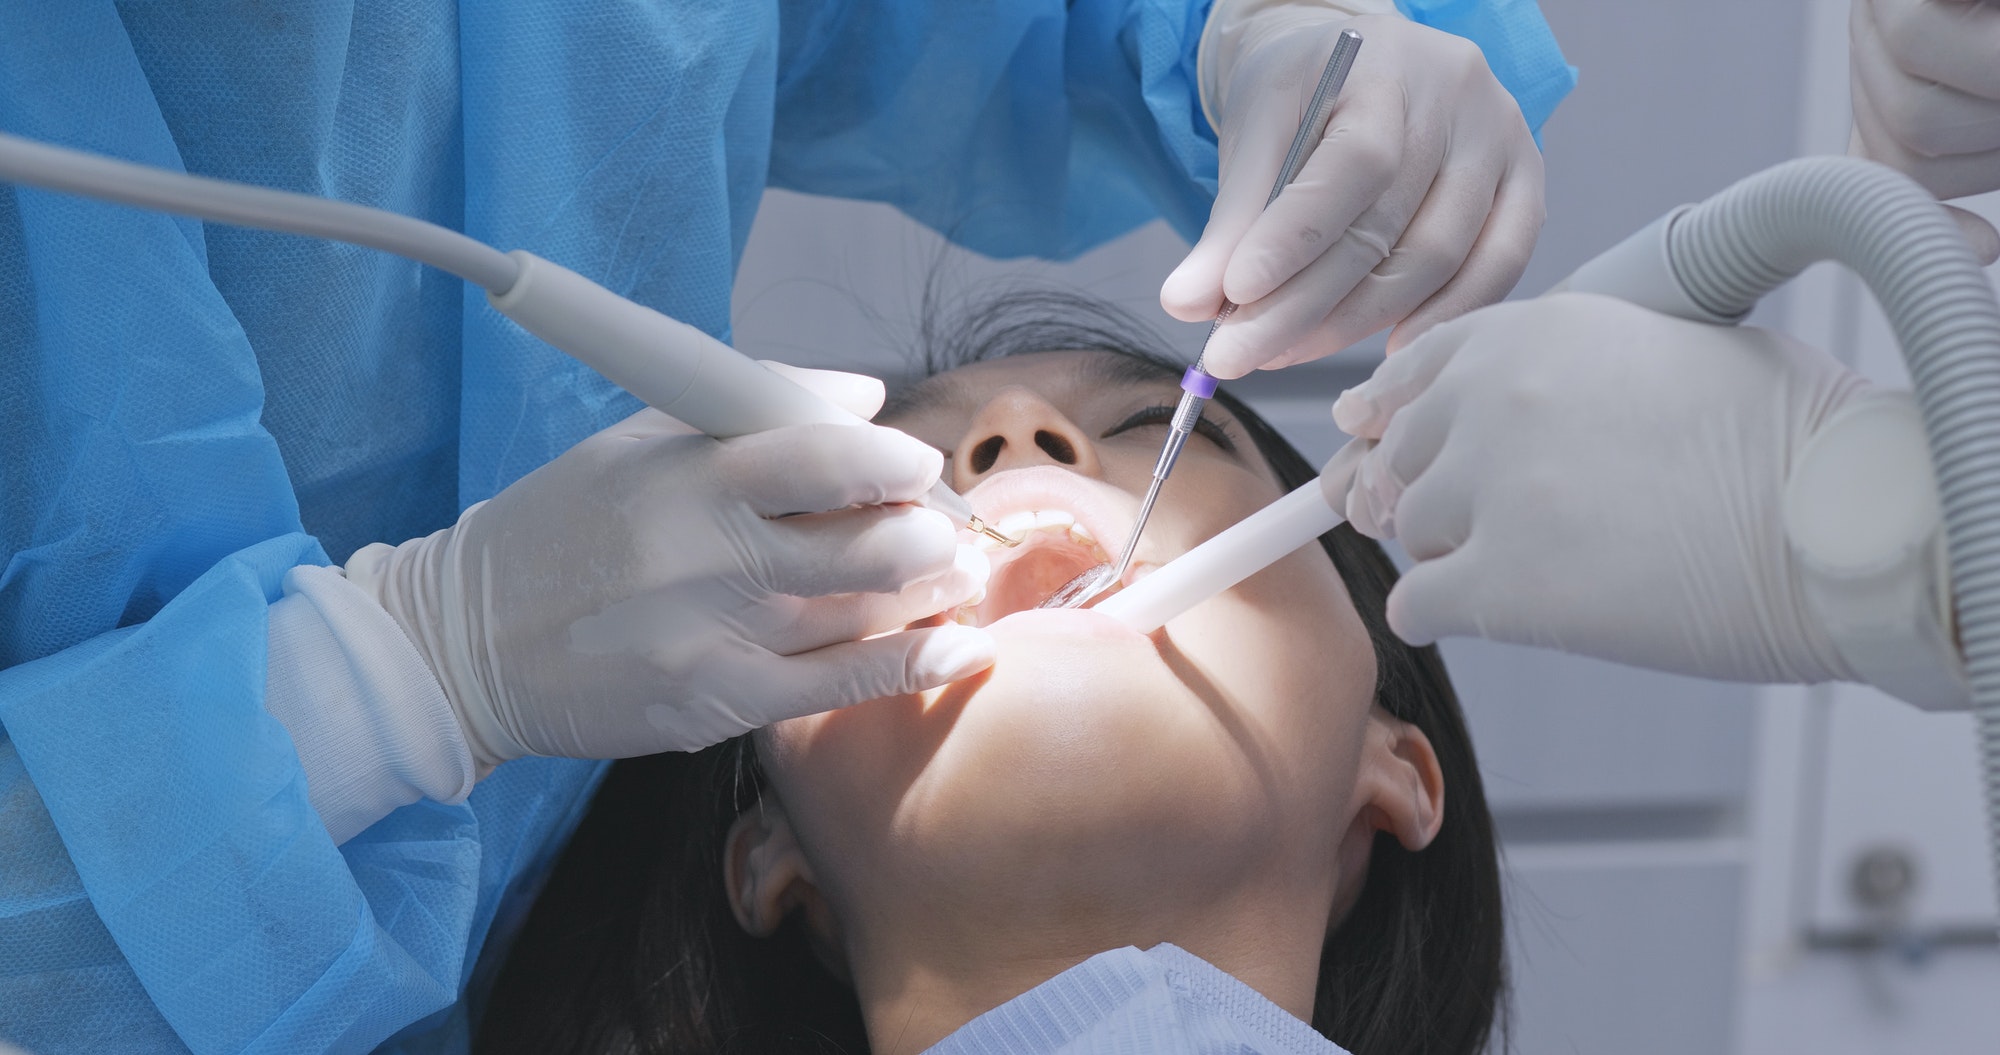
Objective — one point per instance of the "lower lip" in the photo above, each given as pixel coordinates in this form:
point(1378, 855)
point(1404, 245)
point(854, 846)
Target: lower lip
point(1067, 622)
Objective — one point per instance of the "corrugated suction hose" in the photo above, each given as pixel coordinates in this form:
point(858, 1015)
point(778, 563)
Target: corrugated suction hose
point(1746, 241)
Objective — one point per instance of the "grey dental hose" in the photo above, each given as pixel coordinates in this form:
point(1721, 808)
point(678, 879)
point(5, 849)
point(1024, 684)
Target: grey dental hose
point(1712, 262)
point(671, 366)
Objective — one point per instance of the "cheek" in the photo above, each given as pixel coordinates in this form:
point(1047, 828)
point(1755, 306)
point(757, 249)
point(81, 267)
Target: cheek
point(1297, 660)
point(1242, 745)
point(842, 774)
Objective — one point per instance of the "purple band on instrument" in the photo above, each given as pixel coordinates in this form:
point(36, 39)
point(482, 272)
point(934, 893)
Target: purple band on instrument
point(1198, 382)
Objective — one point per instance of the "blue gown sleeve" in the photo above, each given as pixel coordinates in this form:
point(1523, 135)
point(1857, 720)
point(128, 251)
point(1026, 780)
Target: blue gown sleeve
point(1041, 127)
point(164, 882)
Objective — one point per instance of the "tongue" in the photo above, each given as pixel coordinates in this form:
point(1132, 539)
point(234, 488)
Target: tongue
point(1028, 580)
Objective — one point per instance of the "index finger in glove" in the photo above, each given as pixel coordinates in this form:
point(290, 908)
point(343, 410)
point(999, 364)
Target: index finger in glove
point(1366, 409)
point(865, 550)
point(1337, 475)
point(1947, 176)
point(816, 468)
point(1248, 246)
point(896, 664)
point(1408, 447)
point(1930, 118)
point(805, 624)
point(1447, 597)
point(1350, 172)
point(1985, 240)
point(1955, 43)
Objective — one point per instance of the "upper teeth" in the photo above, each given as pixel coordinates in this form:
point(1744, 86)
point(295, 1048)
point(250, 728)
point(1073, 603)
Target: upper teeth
point(1018, 525)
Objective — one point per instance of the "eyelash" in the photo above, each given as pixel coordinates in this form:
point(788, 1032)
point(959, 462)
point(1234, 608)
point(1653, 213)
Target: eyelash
point(1162, 414)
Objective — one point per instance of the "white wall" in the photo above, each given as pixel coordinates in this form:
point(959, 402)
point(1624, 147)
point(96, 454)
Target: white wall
point(1672, 845)
point(1843, 771)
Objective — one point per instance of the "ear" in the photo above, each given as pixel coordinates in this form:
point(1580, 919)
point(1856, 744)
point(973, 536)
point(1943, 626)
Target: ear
point(1400, 788)
point(764, 870)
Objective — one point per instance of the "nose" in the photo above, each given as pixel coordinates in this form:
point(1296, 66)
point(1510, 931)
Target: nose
point(1015, 429)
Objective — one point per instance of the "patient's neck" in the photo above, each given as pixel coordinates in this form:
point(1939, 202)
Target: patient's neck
point(924, 967)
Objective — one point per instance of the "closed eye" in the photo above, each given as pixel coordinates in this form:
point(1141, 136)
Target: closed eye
point(1164, 415)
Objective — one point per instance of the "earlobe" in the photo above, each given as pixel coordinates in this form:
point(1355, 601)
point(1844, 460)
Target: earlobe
point(763, 869)
point(1403, 782)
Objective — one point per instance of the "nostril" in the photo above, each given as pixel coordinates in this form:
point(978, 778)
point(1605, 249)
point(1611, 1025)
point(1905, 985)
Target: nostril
point(986, 453)
point(1056, 447)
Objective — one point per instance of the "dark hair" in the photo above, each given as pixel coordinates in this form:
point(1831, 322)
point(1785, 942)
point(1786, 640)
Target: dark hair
point(632, 946)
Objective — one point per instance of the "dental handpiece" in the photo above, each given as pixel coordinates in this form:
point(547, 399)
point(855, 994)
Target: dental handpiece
point(1197, 384)
point(677, 369)
point(671, 366)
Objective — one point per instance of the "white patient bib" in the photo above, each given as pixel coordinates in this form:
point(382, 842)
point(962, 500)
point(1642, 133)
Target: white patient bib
point(1160, 1000)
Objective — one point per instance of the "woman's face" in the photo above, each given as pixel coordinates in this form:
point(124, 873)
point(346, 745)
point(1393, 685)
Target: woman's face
point(1091, 761)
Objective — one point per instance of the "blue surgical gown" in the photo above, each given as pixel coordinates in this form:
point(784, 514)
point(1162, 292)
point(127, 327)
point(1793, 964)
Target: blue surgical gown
point(187, 411)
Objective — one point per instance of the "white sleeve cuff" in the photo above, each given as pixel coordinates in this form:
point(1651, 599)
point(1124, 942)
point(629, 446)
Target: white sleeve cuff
point(1228, 22)
point(369, 720)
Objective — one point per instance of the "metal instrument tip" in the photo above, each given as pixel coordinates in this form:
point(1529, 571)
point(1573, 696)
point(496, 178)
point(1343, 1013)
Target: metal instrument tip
point(983, 528)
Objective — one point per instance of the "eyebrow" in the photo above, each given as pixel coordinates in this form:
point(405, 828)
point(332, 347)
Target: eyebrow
point(937, 388)
point(1115, 369)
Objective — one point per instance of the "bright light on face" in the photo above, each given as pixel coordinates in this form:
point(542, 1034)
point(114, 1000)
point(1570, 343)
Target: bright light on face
point(1226, 740)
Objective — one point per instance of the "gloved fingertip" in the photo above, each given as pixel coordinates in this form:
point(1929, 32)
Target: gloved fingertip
point(1368, 509)
point(1244, 284)
point(929, 458)
point(1980, 233)
point(971, 566)
point(1402, 623)
point(1354, 411)
point(972, 562)
point(938, 539)
point(1191, 293)
point(1406, 332)
point(954, 651)
point(1225, 358)
point(921, 467)
point(1381, 522)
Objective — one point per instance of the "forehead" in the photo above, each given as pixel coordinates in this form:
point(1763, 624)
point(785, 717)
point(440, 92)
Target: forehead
point(1059, 376)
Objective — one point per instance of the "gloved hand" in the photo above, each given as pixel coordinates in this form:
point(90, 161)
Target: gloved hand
point(1926, 91)
point(1578, 473)
point(646, 592)
point(1422, 202)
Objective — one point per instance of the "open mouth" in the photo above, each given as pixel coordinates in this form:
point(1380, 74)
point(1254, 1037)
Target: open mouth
point(1054, 550)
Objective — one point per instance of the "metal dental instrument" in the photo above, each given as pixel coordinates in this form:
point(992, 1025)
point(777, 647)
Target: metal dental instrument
point(671, 366)
point(1197, 385)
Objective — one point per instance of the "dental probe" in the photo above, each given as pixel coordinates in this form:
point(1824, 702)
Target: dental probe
point(1238, 552)
point(1197, 384)
point(671, 366)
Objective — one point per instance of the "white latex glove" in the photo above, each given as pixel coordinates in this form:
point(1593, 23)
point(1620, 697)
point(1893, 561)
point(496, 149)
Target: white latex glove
point(1578, 473)
point(1926, 93)
point(1422, 202)
point(645, 592)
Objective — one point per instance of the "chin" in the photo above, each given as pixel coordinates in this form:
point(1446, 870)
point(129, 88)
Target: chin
point(1079, 746)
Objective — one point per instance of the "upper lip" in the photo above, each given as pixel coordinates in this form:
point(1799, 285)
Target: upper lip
point(1104, 511)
